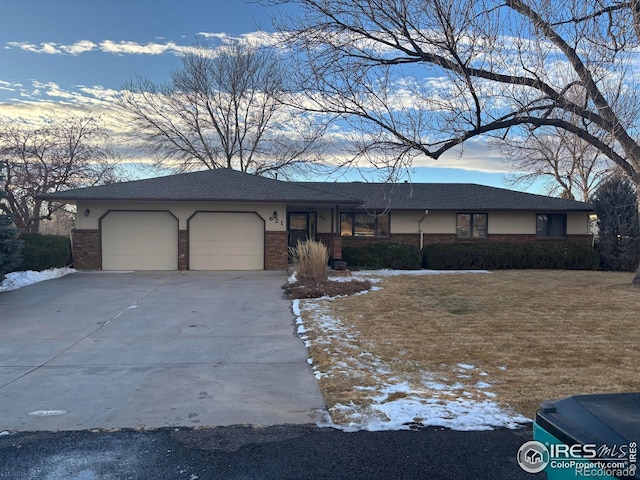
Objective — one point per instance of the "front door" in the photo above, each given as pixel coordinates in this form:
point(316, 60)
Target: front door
point(298, 227)
point(302, 226)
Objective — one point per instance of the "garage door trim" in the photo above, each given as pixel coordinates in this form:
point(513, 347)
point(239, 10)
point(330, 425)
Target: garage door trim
point(264, 240)
point(100, 266)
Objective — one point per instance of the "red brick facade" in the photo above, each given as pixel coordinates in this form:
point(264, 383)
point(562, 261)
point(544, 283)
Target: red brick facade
point(86, 249)
point(275, 250)
point(408, 238)
point(333, 242)
point(429, 238)
point(183, 250)
point(86, 245)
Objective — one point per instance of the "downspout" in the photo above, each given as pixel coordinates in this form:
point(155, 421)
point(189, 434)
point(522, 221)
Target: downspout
point(426, 212)
point(333, 223)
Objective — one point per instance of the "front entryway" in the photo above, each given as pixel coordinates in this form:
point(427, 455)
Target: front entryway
point(302, 227)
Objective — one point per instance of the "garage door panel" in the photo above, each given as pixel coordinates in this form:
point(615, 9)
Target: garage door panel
point(226, 262)
point(242, 247)
point(226, 241)
point(138, 262)
point(139, 241)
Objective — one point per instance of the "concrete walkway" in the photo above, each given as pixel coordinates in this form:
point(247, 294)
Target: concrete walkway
point(152, 349)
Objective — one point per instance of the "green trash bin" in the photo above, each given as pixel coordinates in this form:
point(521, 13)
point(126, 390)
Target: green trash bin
point(585, 436)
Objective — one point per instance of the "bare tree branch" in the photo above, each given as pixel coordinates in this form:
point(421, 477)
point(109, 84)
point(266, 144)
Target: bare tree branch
point(63, 153)
point(447, 71)
point(222, 109)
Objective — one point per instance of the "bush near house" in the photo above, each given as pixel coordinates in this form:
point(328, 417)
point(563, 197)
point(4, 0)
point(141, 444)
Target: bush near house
point(397, 256)
point(10, 246)
point(497, 256)
point(40, 252)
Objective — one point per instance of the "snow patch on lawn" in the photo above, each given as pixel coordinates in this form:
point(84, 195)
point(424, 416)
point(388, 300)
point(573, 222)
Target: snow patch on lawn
point(401, 406)
point(387, 400)
point(15, 280)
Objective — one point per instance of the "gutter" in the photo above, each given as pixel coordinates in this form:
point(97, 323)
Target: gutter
point(426, 212)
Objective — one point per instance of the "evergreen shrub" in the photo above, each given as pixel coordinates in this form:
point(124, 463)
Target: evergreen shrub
point(10, 246)
point(396, 256)
point(618, 241)
point(500, 255)
point(41, 252)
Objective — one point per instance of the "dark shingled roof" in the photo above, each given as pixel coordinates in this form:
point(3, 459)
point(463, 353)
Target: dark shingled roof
point(446, 196)
point(232, 186)
point(211, 185)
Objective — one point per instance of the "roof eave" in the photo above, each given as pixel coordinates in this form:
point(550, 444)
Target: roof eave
point(198, 199)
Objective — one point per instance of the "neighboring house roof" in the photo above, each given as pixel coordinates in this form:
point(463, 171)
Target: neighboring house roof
point(232, 186)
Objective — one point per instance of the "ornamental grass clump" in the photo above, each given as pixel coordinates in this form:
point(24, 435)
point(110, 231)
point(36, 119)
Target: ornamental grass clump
point(310, 260)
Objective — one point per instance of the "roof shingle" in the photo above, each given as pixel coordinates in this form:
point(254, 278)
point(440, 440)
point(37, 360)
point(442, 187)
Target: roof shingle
point(225, 185)
point(446, 196)
point(211, 185)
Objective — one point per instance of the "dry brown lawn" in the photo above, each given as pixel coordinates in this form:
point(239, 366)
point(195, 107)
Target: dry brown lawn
point(534, 334)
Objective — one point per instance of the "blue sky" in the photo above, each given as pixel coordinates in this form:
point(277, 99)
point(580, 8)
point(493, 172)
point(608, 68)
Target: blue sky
point(56, 53)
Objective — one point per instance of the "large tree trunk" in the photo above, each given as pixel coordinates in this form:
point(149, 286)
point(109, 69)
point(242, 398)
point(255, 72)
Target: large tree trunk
point(636, 279)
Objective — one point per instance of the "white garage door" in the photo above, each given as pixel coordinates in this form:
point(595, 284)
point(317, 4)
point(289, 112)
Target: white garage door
point(226, 241)
point(139, 241)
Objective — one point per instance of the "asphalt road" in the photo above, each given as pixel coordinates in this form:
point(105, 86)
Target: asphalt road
point(276, 452)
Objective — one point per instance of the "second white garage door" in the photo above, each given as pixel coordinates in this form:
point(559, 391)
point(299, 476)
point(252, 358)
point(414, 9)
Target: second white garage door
point(226, 241)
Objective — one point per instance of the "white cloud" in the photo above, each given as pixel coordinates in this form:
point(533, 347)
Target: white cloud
point(10, 86)
point(220, 36)
point(253, 38)
point(100, 93)
point(106, 46)
point(46, 47)
point(46, 98)
point(124, 47)
point(80, 47)
point(474, 155)
point(52, 48)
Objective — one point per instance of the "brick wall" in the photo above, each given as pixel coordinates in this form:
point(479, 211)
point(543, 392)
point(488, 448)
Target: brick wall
point(183, 250)
point(408, 238)
point(275, 250)
point(429, 238)
point(333, 242)
point(86, 249)
point(505, 238)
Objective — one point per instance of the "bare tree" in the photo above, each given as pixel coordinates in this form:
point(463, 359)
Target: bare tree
point(567, 166)
point(222, 109)
point(424, 76)
point(61, 153)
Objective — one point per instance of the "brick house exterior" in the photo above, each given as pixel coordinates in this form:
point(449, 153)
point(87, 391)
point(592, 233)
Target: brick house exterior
point(223, 219)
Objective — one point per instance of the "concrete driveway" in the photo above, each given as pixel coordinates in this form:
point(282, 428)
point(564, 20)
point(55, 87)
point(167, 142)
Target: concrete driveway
point(152, 349)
